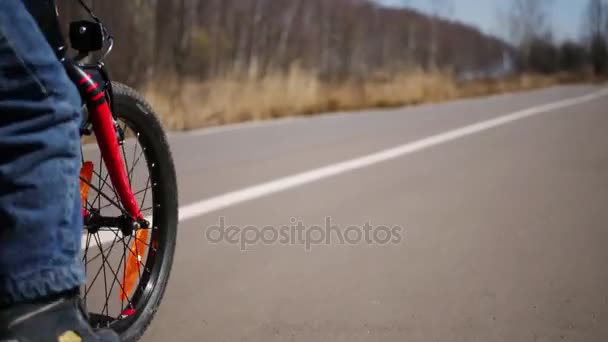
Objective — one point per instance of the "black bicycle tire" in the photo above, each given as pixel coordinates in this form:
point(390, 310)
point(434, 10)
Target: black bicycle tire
point(131, 106)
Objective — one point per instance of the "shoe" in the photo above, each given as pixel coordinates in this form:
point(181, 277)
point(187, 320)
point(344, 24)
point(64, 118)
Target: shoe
point(58, 320)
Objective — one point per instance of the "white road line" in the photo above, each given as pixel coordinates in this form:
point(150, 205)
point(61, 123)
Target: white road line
point(233, 198)
point(230, 199)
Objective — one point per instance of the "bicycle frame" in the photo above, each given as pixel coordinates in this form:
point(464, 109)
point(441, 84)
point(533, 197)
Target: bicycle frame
point(95, 96)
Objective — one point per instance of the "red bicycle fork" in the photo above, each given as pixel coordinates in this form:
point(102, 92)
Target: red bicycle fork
point(104, 128)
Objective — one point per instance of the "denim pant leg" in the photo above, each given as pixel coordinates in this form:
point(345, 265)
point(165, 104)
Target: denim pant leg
point(40, 215)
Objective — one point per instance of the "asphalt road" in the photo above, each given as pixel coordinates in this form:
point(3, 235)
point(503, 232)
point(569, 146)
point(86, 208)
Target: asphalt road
point(503, 230)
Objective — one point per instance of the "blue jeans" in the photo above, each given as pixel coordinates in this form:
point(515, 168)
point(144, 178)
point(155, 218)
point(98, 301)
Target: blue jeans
point(40, 212)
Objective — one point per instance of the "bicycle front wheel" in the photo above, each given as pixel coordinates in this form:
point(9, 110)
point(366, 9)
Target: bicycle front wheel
point(127, 274)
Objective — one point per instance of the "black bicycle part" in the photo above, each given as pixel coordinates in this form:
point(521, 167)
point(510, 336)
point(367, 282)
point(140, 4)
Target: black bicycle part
point(136, 117)
point(86, 36)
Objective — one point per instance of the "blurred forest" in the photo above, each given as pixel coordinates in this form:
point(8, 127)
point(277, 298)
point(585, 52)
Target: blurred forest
point(350, 43)
point(337, 38)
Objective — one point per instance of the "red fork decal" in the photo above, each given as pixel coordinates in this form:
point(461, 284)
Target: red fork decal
point(98, 96)
point(85, 79)
point(92, 87)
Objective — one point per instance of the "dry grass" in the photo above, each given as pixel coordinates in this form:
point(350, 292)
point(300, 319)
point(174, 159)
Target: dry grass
point(235, 99)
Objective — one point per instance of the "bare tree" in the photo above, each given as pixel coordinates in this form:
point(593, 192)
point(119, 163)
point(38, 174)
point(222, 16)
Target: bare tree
point(528, 22)
point(439, 8)
point(596, 18)
point(287, 24)
point(597, 26)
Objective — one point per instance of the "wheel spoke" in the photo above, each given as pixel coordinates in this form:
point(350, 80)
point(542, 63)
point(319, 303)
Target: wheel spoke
point(134, 159)
point(105, 279)
point(103, 259)
point(126, 244)
point(109, 249)
point(119, 207)
point(86, 271)
point(145, 192)
point(122, 147)
point(114, 282)
point(135, 164)
point(105, 182)
point(99, 184)
point(134, 194)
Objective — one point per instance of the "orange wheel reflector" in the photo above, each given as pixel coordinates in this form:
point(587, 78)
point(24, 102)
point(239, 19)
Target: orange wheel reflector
point(86, 173)
point(133, 264)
